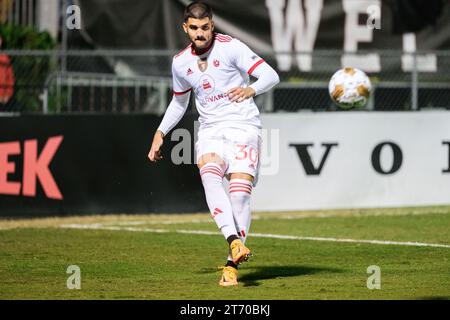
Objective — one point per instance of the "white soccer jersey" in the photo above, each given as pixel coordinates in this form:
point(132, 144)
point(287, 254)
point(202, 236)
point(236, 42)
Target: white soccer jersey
point(227, 63)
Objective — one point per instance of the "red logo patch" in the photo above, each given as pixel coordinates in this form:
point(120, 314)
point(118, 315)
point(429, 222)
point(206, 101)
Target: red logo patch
point(206, 84)
point(216, 63)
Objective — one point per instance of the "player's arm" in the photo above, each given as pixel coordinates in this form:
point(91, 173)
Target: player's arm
point(247, 61)
point(173, 115)
point(174, 112)
point(267, 79)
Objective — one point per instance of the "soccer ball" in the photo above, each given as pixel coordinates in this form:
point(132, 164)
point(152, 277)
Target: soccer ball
point(350, 88)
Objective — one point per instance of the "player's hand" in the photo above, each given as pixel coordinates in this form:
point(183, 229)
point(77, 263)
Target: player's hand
point(155, 151)
point(239, 94)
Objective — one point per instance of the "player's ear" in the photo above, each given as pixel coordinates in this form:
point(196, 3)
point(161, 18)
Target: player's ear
point(185, 27)
point(212, 25)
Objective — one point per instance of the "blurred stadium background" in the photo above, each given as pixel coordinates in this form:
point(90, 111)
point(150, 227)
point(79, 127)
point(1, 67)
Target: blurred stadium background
point(92, 79)
point(119, 60)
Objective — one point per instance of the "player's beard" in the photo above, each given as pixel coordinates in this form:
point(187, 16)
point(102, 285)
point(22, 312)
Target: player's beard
point(204, 46)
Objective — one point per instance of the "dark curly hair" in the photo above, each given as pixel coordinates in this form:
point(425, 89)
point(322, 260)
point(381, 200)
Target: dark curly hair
point(197, 10)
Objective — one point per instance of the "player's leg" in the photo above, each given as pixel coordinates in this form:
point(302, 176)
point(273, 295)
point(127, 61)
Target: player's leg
point(212, 169)
point(240, 188)
point(240, 191)
point(243, 157)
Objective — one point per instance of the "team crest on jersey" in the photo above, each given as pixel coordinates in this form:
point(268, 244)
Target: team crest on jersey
point(216, 63)
point(207, 83)
point(202, 64)
point(189, 72)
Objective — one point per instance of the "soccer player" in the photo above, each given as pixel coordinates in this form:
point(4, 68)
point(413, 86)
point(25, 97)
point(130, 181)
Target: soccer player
point(217, 69)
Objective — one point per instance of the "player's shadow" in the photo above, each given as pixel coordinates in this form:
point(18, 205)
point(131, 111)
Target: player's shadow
point(280, 272)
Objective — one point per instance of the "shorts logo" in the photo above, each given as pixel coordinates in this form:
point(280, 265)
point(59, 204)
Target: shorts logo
point(216, 63)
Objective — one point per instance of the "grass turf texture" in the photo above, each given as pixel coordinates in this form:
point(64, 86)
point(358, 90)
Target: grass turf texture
point(119, 264)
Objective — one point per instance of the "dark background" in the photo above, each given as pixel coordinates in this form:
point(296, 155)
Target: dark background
point(157, 24)
point(102, 166)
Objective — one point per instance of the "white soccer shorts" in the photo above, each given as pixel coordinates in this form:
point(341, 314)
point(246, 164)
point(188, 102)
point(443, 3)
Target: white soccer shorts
point(238, 148)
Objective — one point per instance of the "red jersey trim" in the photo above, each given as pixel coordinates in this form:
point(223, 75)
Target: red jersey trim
point(254, 66)
point(223, 37)
point(181, 52)
point(217, 36)
point(180, 93)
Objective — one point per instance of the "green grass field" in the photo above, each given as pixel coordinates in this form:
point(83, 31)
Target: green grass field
point(176, 256)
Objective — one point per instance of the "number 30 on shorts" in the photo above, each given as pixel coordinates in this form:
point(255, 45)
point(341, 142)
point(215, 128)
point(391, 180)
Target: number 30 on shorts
point(246, 151)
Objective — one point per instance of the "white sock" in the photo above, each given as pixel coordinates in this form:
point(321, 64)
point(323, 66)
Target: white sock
point(240, 192)
point(218, 202)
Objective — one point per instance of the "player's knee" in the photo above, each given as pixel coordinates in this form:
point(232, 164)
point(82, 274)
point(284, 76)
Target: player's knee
point(240, 175)
point(240, 189)
point(210, 158)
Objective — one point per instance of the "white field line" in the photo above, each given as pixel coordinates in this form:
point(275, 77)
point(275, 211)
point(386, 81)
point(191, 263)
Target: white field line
point(98, 226)
point(347, 215)
point(262, 217)
point(143, 222)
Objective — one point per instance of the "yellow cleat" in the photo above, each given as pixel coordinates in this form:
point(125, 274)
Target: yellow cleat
point(229, 277)
point(239, 252)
